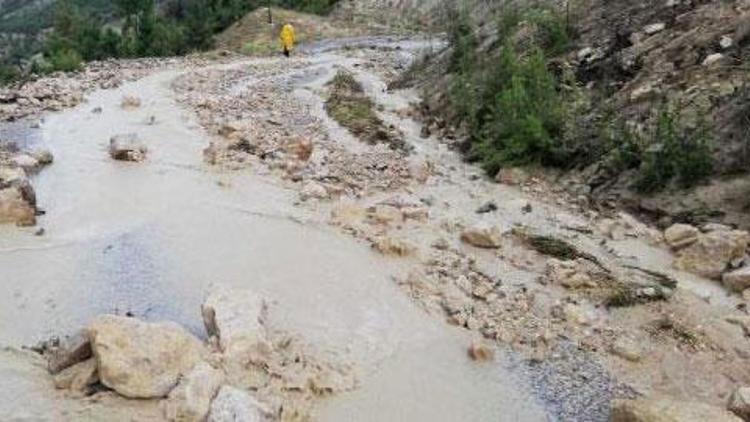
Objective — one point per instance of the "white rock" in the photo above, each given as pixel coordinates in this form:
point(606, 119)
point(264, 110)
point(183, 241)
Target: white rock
point(712, 58)
point(725, 42)
point(140, 359)
point(236, 317)
point(679, 236)
point(190, 401)
point(654, 28)
point(313, 190)
point(235, 405)
point(483, 235)
point(739, 403)
point(26, 162)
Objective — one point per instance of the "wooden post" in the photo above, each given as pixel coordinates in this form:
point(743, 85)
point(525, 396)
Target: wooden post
point(270, 15)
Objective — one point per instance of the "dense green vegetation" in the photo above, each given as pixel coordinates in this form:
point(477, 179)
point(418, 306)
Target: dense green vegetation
point(511, 103)
point(84, 30)
point(518, 110)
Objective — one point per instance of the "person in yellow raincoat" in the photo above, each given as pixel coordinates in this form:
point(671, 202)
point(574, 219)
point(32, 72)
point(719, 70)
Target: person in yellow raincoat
point(287, 39)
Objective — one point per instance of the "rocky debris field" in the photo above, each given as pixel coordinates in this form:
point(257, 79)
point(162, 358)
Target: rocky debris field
point(610, 316)
point(243, 372)
point(521, 262)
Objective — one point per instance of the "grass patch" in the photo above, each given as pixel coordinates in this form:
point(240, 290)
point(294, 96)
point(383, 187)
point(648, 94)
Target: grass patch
point(258, 48)
point(348, 105)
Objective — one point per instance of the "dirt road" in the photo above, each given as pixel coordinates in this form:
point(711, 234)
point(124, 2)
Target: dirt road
point(149, 239)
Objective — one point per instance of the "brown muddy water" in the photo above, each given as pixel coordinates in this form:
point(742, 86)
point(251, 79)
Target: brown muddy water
point(149, 239)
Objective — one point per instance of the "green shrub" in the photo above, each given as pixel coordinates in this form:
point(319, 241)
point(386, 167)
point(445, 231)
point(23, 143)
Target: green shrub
point(511, 103)
point(66, 60)
point(674, 152)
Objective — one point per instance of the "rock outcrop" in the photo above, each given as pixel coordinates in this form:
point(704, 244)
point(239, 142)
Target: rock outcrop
point(141, 359)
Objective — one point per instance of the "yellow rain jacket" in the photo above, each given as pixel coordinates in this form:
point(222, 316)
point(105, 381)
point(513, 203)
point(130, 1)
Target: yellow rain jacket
point(287, 37)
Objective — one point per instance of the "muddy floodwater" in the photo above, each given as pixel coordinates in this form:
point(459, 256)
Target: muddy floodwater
point(149, 239)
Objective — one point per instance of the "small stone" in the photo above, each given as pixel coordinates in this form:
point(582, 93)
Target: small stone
point(236, 317)
point(127, 147)
point(627, 348)
point(575, 314)
point(654, 28)
point(712, 58)
point(739, 403)
point(235, 405)
point(725, 42)
point(392, 246)
point(415, 213)
point(70, 351)
point(715, 227)
point(77, 378)
point(483, 235)
point(43, 156)
point(190, 401)
point(667, 410)
point(479, 351)
point(680, 236)
point(130, 102)
point(569, 274)
point(313, 190)
point(737, 280)
point(487, 208)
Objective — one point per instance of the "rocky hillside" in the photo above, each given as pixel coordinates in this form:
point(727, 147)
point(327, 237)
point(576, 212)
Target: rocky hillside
point(636, 65)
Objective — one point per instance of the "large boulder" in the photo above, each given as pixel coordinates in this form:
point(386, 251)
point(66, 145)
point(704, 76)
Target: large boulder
point(680, 236)
point(140, 359)
point(483, 235)
point(710, 255)
point(236, 317)
point(191, 399)
point(127, 147)
point(235, 405)
point(668, 410)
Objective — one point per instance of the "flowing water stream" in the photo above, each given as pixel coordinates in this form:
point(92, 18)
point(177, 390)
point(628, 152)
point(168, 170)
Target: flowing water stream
point(150, 238)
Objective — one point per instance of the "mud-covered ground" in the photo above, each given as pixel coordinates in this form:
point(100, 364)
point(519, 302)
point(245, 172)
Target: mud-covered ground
point(248, 143)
